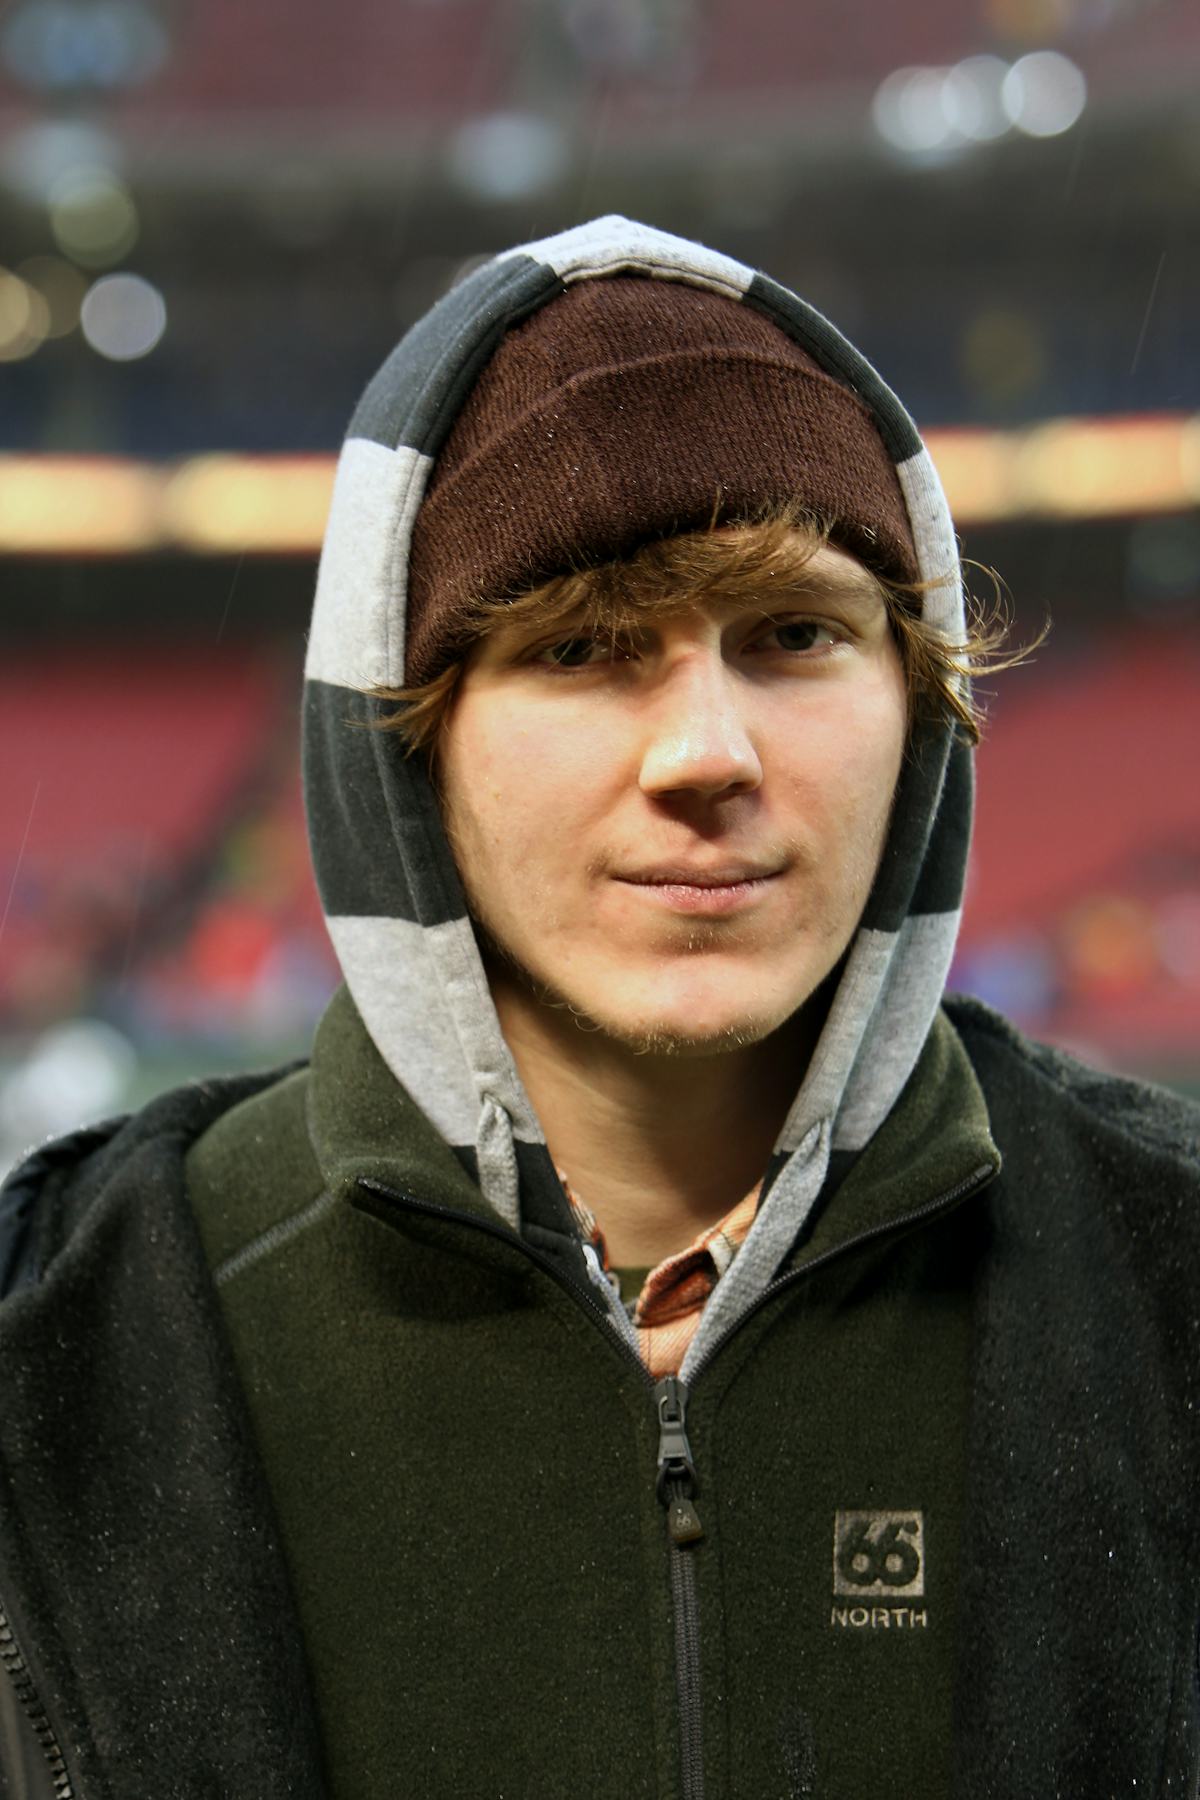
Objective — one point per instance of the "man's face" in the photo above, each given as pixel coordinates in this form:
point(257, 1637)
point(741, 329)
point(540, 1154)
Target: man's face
point(675, 840)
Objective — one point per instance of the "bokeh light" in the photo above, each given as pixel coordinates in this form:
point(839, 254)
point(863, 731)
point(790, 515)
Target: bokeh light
point(926, 112)
point(24, 318)
point(123, 317)
point(971, 98)
point(1044, 93)
point(34, 158)
point(1081, 468)
point(93, 217)
point(1109, 945)
point(507, 156)
point(61, 286)
point(55, 44)
point(233, 503)
point(78, 505)
point(910, 111)
point(78, 1070)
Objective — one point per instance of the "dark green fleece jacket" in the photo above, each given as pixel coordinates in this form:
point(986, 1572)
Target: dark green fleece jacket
point(463, 1457)
point(375, 1511)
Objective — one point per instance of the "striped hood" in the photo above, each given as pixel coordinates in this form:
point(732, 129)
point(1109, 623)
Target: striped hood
point(391, 894)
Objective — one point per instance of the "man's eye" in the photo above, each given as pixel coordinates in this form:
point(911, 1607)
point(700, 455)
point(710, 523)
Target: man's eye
point(571, 653)
point(801, 634)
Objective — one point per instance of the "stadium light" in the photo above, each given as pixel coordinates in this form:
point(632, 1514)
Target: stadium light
point(79, 505)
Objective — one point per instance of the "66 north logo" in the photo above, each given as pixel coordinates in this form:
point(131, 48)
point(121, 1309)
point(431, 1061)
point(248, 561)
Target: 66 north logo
point(878, 1553)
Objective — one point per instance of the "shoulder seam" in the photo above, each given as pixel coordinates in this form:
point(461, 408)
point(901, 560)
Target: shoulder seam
point(273, 1238)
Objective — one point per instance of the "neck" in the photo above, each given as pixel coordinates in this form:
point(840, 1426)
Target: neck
point(659, 1147)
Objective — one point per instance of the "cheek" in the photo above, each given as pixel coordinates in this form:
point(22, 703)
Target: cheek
point(878, 726)
point(881, 756)
point(846, 781)
point(513, 796)
point(875, 773)
point(466, 784)
point(878, 756)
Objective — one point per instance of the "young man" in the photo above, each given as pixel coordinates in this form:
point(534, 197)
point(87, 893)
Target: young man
point(654, 1347)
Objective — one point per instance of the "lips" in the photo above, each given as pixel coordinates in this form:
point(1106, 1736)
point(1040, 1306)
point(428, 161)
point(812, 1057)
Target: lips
point(728, 888)
point(680, 875)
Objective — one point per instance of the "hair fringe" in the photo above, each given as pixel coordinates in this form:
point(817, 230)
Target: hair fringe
point(671, 574)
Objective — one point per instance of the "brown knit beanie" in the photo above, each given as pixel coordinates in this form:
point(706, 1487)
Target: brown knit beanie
point(630, 409)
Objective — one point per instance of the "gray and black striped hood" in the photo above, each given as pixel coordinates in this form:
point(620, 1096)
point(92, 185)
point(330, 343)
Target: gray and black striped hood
point(392, 898)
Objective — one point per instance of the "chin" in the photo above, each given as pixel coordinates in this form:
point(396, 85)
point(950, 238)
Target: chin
point(682, 1030)
point(667, 1041)
point(684, 1012)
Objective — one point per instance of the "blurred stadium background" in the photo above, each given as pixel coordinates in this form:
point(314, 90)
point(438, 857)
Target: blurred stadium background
point(216, 218)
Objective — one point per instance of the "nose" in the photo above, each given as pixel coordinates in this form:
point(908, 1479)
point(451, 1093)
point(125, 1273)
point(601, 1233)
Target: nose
point(698, 739)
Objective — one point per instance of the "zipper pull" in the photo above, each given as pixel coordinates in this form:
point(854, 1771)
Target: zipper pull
point(676, 1470)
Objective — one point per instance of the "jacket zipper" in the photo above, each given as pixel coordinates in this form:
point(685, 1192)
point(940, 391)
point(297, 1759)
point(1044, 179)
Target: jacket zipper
point(17, 1671)
point(677, 1484)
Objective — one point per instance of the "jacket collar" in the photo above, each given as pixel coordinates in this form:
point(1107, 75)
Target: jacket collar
point(363, 1125)
point(934, 1147)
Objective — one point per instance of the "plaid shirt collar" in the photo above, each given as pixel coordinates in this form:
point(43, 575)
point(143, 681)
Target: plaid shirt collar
point(668, 1310)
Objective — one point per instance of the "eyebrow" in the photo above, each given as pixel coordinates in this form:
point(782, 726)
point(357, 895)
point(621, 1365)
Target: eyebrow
point(856, 586)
